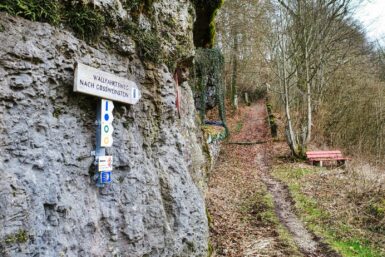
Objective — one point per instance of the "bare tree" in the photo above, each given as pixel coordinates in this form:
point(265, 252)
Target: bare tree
point(241, 28)
point(307, 32)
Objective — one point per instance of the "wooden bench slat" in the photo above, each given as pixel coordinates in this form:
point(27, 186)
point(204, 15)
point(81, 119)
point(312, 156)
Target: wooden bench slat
point(327, 159)
point(323, 152)
point(316, 155)
point(325, 156)
point(320, 156)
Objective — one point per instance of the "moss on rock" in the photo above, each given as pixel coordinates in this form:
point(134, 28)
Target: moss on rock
point(204, 26)
point(85, 19)
point(35, 10)
point(148, 42)
point(88, 22)
point(19, 237)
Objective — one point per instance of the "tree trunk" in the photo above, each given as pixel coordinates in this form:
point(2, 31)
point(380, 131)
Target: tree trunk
point(308, 100)
point(290, 135)
point(247, 101)
point(234, 89)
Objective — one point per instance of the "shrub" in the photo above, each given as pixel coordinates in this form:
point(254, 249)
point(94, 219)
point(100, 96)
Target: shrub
point(86, 21)
point(35, 10)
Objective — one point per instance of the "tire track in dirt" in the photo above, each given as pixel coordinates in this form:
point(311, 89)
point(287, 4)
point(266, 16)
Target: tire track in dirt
point(240, 173)
point(242, 222)
point(306, 241)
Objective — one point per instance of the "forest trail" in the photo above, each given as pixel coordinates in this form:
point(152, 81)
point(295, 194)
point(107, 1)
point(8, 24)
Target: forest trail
point(251, 213)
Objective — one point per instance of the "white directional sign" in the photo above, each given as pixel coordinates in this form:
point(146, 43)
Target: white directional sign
point(106, 119)
point(105, 163)
point(92, 81)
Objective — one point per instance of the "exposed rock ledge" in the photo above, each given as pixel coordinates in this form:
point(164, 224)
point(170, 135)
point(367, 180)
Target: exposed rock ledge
point(49, 206)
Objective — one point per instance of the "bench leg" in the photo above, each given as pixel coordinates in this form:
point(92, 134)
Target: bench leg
point(341, 163)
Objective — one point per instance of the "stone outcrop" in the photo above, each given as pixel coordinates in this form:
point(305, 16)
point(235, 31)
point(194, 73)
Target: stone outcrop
point(49, 204)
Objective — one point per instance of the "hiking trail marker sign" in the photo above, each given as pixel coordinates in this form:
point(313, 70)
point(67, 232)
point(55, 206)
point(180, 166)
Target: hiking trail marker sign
point(106, 118)
point(91, 81)
point(109, 87)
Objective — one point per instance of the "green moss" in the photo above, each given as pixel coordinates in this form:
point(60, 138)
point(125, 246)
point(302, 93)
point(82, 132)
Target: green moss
point(377, 209)
point(375, 213)
point(172, 23)
point(214, 133)
point(271, 120)
point(57, 112)
point(148, 42)
point(19, 237)
point(212, 26)
point(138, 6)
point(268, 106)
point(204, 27)
point(180, 54)
point(86, 20)
point(35, 10)
point(132, 4)
point(210, 249)
point(209, 217)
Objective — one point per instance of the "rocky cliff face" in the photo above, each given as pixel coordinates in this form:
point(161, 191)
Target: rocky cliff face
point(49, 204)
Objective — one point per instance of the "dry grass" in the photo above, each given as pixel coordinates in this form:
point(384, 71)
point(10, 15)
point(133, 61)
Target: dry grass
point(345, 206)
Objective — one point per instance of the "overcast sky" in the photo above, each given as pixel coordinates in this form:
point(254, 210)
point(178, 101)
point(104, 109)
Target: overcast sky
point(372, 16)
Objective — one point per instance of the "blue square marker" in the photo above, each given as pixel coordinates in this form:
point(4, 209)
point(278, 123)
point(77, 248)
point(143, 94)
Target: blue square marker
point(105, 177)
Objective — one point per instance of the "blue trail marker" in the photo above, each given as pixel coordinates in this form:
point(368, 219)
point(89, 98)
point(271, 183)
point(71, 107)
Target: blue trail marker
point(105, 177)
point(104, 139)
point(106, 117)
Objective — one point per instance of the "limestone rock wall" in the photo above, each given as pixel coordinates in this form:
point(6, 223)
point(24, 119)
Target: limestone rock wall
point(49, 205)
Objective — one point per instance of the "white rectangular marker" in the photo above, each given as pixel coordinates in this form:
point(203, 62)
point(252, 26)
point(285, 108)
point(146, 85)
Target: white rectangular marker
point(105, 163)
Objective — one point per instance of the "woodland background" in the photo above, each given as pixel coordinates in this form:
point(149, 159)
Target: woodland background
point(312, 58)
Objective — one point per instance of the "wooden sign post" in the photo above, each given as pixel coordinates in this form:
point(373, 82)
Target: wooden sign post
point(109, 87)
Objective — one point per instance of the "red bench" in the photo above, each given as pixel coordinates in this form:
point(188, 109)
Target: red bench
point(318, 157)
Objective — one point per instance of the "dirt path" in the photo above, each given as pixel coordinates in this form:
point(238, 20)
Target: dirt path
point(308, 244)
point(241, 177)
